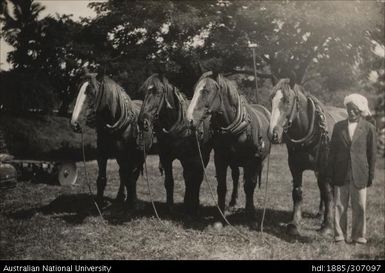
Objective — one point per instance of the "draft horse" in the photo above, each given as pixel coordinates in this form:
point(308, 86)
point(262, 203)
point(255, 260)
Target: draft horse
point(163, 112)
point(305, 125)
point(240, 135)
point(115, 116)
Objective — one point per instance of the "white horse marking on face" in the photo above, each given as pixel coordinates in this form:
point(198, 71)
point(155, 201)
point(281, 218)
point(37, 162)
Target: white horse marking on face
point(275, 112)
point(79, 102)
point(194, 101)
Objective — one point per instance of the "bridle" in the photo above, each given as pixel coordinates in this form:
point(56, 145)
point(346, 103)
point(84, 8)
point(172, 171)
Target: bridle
point(209, 107)
point(241, 121)
point(177, 127)
point(293, 115)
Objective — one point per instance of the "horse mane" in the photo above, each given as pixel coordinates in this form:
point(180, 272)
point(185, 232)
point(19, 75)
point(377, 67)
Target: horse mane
point(169, 88)
point(299, 88)
point(119, 101)
point(159, 82)
point(203, 76)
point(150, 81)
point(114, 88)
point(228, 86)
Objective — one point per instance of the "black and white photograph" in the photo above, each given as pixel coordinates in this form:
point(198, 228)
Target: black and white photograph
point(192, 130)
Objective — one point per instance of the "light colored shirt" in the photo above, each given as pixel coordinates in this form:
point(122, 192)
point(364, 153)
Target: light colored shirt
point(352, 128)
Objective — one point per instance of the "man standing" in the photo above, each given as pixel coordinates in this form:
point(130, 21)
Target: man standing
point(351, 167)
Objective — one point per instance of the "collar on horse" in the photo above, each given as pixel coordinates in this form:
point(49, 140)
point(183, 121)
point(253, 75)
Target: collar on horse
point(180, 124)
point(241, 121)
point(126, 114)
point(316, 110)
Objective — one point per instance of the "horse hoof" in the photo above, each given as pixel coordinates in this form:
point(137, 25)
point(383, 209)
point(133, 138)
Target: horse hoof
point(251, 214)
point(326, 231)
point(170, 207)
point(130, 205)
point(217, 226)
point(254, 226)
point(292, 230)
point(119, 199)
point(319, 215)
point(189, 219)
point(100, 202)
point(139, 206)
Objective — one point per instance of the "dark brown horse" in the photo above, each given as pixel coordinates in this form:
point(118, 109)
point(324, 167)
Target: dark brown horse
point(240, 133)
point(305, 125)
point(114, 115)
point(164, 112)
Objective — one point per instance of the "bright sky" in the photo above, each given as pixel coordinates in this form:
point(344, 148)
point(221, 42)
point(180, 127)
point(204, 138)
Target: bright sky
point(76, 7)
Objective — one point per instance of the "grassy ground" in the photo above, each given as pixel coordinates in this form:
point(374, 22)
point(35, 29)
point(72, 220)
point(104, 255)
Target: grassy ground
point(39, 221)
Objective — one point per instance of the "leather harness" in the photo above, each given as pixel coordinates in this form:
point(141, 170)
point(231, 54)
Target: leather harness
point(311, 135)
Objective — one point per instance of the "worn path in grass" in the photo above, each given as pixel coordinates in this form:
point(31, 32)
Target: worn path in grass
point(39, 221)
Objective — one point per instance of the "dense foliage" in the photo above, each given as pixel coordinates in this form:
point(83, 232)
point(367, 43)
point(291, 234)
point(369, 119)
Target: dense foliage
point(327, 46)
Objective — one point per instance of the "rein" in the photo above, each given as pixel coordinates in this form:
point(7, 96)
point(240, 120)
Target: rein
point(241, 234)
point(180, 124)
point(88, 181)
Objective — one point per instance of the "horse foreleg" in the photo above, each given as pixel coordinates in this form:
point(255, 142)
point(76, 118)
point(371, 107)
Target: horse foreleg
point(321, 208)
point(221, 172)
point(235, 177)
point(128, 176)
point(168, 180)
point(327, 198)
point(101, 181)
point(133, 175)
point(292, 228)
point(251, 178)
point(193, 174)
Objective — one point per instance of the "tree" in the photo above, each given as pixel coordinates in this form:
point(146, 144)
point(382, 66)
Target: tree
point(295, 39)
point(20, 29)
point(60, 56)
point(45, 57)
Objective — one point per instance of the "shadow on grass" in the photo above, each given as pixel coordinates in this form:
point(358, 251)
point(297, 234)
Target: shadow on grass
point(75, 208)
point(208, 215)
point(72, 208)
point(274, 224)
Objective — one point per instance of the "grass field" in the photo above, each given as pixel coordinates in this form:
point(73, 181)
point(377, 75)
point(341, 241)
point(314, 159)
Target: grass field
point(40, 221)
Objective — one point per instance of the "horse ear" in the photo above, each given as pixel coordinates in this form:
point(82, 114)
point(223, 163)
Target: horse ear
point(216, 74)
point(299, 88)
point(293, 79)
point(86, 74)
point(200, 68)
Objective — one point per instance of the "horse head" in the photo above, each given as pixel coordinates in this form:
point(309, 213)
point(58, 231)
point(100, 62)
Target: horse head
point(205, 101)
point(158, 94)
point(85, 101)
point(283, 102)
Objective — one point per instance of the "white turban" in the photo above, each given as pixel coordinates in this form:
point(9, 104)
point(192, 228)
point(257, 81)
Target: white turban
point(360, 101)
